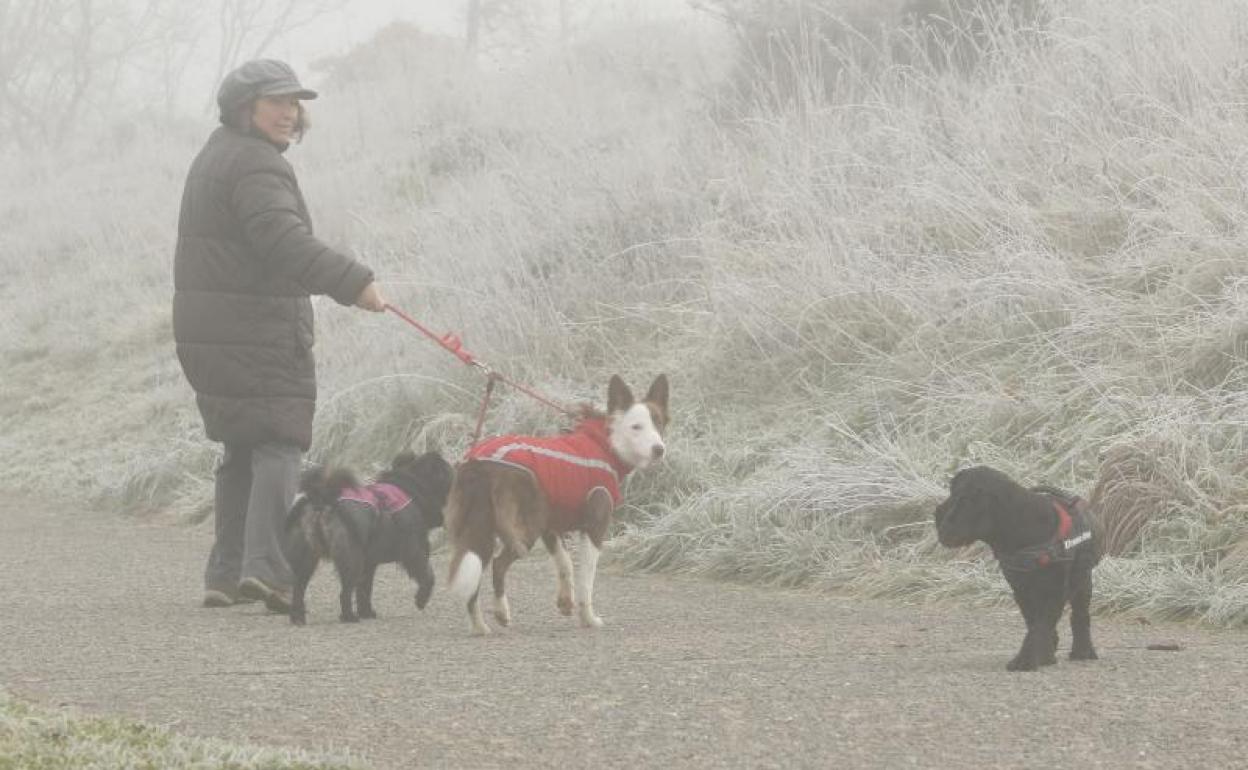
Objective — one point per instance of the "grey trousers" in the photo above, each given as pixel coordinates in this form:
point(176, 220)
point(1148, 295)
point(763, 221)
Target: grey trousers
point(255, 488)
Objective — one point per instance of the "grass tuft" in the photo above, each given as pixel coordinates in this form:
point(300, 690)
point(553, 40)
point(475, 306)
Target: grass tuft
point(33, 738)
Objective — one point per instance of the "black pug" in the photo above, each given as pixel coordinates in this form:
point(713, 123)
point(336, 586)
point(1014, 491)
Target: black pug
point(1045, 544)
point(360, 527)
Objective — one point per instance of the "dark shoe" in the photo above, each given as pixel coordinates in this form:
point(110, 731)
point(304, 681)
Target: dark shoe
point(274, 599)
point(214, 598)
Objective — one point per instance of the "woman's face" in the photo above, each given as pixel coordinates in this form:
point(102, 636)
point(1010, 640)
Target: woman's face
point(276, 117)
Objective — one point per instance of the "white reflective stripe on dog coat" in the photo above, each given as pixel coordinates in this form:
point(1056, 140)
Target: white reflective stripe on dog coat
point(567, 467)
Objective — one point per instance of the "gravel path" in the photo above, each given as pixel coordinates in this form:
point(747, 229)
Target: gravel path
point(101, 614)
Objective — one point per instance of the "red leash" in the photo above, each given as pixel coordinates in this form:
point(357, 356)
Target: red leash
point(452, 344)
point(449, 341)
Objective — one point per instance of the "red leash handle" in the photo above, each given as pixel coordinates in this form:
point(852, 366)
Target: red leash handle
point(449, 341)
point(452, 344)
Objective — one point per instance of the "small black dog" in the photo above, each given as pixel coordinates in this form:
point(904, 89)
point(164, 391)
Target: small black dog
point(1044, 542)
point(360, 527)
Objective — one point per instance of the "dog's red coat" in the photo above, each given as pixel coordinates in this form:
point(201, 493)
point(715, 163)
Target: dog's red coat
point(567, 467)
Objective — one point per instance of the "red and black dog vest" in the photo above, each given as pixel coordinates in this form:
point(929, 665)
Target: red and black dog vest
point(567, 467)
point(1073, 533)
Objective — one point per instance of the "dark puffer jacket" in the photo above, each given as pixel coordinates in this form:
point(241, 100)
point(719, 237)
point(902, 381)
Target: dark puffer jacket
point(245, 265)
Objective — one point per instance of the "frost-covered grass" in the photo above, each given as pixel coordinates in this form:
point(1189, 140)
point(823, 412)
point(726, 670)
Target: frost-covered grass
point(1036, 265)
point(33, 738)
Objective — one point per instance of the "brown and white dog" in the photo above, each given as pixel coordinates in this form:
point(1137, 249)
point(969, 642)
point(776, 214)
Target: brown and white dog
point(515, 489)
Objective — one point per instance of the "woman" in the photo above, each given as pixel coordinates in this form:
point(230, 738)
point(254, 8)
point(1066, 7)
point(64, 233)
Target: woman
point(245, 265)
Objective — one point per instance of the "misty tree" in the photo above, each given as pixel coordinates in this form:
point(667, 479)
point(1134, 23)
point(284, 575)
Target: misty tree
point(249, 27)
point(63, 62)
point(520, 23)
point(790, 46)
point(66, 64)
point(473, 35)
point(177, 32)
point(399, 49)
point(52, 53)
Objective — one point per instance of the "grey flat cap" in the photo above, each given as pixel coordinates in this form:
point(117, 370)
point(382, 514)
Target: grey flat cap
point(260, 77)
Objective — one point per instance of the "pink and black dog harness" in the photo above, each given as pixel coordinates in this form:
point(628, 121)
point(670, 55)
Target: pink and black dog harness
point(567, 467)
point(381, 498)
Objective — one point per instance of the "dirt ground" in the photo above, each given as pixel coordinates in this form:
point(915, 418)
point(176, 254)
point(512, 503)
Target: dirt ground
point(101, 614)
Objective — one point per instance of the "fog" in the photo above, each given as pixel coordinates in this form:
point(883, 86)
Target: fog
point(871, 243)
point(341, 28)
point(338, 29)
point(72, 65)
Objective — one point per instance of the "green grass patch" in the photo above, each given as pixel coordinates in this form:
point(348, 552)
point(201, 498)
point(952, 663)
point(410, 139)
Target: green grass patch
point(34, 738)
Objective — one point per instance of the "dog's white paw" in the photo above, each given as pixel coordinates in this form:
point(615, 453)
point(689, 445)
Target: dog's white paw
point(480, 629)
point(589, 619)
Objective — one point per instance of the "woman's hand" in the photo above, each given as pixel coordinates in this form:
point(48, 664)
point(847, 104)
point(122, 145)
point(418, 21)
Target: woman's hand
point(371, 299)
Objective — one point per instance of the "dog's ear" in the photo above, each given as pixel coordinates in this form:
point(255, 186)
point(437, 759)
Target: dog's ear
point(658, 392)
point(436, 477)
point(432, 462)
point(404, 458)
point(619, 397)
point(424, 463)
point(968, 513)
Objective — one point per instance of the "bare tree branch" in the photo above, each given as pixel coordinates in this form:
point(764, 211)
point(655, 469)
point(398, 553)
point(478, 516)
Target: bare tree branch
point(254, 26)
point(474, 25)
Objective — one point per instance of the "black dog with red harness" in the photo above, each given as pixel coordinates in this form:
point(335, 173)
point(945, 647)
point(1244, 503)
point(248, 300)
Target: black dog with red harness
point(1045, 542)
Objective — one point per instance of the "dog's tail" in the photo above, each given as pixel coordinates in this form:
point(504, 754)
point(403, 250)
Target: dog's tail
point(465, 574)
point(321, 487)
point(469, 528)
